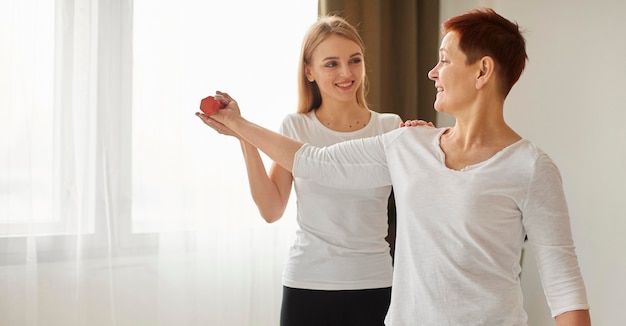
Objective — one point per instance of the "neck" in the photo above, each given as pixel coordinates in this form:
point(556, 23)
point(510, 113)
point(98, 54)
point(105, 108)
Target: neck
point(481, 122)
point(345, 119)
point(481, 133)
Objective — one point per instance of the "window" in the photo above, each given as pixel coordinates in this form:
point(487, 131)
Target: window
point(43, 146)
point(98, 103)
point(106, 176)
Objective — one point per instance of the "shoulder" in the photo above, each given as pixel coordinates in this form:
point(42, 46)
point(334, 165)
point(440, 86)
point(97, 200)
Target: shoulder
point(542, 163)
point(414, 136)
point(301, 126)
point(389, 120)
point(296, 120)
point(527, 159)
point(534, 154)
point(385, 116)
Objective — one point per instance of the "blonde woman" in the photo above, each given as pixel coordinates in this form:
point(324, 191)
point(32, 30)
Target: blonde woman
point(339, 270)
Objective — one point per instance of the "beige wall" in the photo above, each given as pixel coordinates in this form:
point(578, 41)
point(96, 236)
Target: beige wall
point(571, 101)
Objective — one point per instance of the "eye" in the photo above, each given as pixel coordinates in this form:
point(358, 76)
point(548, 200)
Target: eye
point(330, 64)
point(356, 60)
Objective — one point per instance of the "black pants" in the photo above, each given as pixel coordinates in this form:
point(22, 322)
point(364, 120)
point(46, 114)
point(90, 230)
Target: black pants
point(302, 307)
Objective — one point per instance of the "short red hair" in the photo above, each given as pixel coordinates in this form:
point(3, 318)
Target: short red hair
point(483, 32)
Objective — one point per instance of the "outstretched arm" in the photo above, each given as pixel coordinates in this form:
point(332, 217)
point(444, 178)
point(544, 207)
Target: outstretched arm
point(348, 165)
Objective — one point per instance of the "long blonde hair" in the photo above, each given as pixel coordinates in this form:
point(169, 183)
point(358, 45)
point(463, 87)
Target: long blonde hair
point(309, 96)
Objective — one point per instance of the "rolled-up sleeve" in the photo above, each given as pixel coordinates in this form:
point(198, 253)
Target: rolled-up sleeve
point(354, 164)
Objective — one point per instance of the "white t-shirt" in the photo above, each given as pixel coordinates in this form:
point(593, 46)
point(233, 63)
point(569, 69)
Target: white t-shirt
point(460, 233)
point(340, 242)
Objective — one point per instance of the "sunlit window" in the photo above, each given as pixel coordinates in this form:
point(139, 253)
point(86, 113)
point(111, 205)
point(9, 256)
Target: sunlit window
point(97, 101)
point(26, 111)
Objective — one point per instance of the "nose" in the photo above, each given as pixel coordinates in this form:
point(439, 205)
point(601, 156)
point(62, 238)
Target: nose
point(433, 73)
point(345, 71)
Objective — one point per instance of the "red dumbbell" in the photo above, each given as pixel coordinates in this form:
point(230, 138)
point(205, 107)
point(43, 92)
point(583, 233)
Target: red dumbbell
point(209, 105)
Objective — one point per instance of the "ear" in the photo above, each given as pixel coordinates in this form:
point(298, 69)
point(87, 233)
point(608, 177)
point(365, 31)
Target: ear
point(308, 74)
point(486, 71)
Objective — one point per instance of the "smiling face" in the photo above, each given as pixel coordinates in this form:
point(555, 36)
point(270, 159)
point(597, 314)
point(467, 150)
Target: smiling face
point(454, 79)
point(338, 68)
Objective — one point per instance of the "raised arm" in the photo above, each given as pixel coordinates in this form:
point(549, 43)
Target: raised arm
point(270, 191)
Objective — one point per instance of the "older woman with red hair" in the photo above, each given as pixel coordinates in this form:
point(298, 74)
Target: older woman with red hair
point(467, 196)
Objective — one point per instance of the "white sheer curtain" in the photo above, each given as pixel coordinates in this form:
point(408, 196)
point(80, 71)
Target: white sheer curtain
point(117, 205)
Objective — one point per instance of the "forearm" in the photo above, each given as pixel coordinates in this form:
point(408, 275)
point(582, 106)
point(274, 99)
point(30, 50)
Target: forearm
point(279, 148)
point(269, 194)
point(573, 318)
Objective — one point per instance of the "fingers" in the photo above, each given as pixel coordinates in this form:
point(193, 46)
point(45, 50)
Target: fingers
point(203, 117)
point(222, 95)
point(209, 121)
point(413, 123)
point(216, 125)
point(421, 123)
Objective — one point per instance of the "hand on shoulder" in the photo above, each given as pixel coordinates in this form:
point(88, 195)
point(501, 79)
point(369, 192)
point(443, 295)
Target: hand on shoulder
point(416, 123)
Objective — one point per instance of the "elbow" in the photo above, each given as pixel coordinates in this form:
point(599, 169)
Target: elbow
point(271, 216)
point(270, 210)
point(574, 317)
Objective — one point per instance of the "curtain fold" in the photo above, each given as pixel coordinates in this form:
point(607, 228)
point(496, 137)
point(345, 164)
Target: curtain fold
point(402, 42)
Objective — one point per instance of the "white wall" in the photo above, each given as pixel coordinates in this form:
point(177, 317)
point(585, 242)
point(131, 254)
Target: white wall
point(571, 101)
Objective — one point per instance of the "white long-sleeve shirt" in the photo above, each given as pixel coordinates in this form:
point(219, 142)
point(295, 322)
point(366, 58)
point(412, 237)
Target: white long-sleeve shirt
point(340, 241)
point(460, 233)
